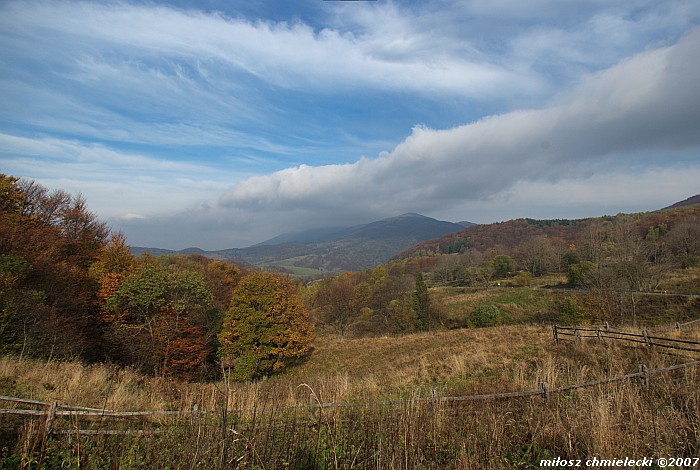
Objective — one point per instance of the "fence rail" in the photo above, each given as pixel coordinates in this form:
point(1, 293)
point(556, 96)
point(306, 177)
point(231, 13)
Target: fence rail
point(604, 331)
point(691, 322)
point(53, 410)
point(314, 406)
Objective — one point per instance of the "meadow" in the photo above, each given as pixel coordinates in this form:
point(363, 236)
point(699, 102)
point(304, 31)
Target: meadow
point(389, 407)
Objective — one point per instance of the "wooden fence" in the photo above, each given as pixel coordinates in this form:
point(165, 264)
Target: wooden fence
point(605, 332)
point(679, 326)
point(53, 411)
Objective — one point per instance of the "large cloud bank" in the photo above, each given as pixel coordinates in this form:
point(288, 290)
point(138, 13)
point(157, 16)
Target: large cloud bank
point(644, 111)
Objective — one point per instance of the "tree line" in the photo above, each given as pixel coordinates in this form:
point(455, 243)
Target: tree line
point(611, 258)
point(71, 289)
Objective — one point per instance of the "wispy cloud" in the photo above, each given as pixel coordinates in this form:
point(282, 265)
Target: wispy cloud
point(116, 183)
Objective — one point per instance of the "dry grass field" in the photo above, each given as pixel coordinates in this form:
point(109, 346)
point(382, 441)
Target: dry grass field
point(391, 414)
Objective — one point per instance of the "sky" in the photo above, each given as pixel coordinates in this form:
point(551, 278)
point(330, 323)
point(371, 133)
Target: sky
point(220, 124)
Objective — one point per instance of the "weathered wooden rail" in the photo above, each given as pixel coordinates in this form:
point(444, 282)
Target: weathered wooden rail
point(679, 325)
point(605, 332)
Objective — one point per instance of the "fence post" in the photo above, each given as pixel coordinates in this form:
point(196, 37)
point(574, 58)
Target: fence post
point(607, 326)
point(50, 417)
point(545, 390)
point(678, 326)
point(313, 404)
point(644, 370)
point(647, 340)
point(556, 333)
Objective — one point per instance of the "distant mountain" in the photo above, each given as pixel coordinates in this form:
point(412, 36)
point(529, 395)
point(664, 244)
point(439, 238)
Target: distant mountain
point(465, 224)
point(139, 250)
point(306, 236)
point(410, 225)
point(331, 250)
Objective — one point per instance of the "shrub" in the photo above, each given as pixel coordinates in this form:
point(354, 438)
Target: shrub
point(485, 315)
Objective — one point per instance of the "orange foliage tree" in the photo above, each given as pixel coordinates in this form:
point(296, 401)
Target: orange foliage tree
point(48, 239)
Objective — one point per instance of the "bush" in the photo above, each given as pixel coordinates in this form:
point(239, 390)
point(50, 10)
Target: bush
point(485, 315)
point(570, 311)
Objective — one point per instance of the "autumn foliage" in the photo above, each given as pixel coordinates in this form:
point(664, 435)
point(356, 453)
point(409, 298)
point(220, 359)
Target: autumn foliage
point(69, 289)
point(266, 328)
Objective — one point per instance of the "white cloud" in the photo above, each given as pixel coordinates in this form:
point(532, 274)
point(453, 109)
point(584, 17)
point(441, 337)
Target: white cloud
point(646, 110)
point(115, 183)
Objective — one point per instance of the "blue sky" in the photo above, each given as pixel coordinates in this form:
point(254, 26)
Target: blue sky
point(220, 124)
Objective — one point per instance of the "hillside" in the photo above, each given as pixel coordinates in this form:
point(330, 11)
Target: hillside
point(332, 250)
point(686, 202)
point(512, 233)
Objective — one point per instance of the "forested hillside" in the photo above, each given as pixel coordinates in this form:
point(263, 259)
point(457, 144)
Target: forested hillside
point(70, 289)
point(313, 253)
point(607, 265)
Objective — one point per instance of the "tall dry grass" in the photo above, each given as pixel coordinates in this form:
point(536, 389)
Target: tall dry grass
point(607, 421)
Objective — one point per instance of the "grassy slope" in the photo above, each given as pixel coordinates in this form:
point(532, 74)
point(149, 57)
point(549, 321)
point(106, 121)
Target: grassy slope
point(604, 421)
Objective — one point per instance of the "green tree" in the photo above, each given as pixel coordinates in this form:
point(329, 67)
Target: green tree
point(421, 303)
point(266, 328)
point(157, 319)
point(503, 266)
point(570, 311)
point(580, 273)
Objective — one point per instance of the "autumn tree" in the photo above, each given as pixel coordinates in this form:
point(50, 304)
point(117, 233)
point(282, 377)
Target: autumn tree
point(114, 262)
point(266, 328)
point(48, 239)
point(158, 317)
point(684, 242)
point(334, 299)
point(536, 255)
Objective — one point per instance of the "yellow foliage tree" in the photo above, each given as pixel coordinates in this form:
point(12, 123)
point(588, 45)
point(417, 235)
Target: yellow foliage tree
point(267, 327)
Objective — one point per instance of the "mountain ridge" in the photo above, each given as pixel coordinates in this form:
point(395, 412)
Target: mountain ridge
point(319, 251)
point(512, 233)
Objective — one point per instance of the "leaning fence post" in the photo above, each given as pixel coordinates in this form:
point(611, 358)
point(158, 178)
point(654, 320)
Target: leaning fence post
point(678, 326)
point(50, 417)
